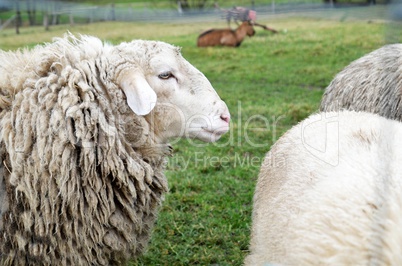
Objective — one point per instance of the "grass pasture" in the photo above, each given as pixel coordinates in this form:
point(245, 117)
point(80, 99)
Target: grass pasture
point(270, 83)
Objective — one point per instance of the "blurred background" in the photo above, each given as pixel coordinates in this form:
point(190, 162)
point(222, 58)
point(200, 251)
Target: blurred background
point(270, 82)
point(17, 13)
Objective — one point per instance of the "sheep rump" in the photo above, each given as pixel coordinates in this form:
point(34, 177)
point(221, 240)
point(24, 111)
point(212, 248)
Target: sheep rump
point(57, 111)
point(330, 196)
point(372, 83)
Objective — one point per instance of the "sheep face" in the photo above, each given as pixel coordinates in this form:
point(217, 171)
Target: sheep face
point(175, 97)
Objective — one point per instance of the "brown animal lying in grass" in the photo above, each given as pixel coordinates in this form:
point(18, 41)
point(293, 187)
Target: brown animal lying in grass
point(225, 37)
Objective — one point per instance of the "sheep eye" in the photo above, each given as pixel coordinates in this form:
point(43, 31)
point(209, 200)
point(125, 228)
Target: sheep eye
point(165, 75)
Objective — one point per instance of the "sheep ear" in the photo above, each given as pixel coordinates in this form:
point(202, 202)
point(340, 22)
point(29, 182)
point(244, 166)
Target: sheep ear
point(141, 98)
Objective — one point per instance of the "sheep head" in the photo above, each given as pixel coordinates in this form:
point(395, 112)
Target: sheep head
point(175, 97)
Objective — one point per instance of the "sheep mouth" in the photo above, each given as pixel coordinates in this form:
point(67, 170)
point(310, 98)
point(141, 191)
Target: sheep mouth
point(208, 132)
point(218, 132)
point(208, 135)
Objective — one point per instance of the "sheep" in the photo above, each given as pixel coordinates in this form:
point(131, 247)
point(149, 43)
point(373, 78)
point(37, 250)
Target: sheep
point(329, 192)
point(84, 138)
point(225, 37)
point(372, 83)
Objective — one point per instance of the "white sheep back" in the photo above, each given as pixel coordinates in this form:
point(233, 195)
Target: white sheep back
point(329, 193)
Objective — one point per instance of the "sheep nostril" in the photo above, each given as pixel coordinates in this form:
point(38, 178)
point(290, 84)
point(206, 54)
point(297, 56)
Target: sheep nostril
point(225, 118)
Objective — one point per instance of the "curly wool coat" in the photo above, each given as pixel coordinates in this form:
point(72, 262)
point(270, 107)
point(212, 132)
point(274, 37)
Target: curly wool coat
point(79, 183)
point(371, 83)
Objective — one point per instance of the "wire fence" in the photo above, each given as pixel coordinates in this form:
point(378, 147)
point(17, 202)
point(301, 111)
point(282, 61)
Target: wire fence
point(57, 12)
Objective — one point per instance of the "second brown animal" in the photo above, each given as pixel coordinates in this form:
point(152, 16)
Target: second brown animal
point(225, 37)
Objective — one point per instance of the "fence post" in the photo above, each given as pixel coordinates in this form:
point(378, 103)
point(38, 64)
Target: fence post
point(71, 17)
point(18, 20)
point(179, 8)
point(113, 14)
point(46, 16)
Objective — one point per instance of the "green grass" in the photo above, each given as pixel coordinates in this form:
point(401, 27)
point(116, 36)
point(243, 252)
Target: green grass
point(270, 83)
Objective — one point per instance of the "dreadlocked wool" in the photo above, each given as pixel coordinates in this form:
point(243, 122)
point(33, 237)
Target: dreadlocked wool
point(81, 174)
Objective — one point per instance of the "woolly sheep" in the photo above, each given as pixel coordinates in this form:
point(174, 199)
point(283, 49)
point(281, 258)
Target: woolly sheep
point(83, 143)
point(372, 83)
point(330, 193)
